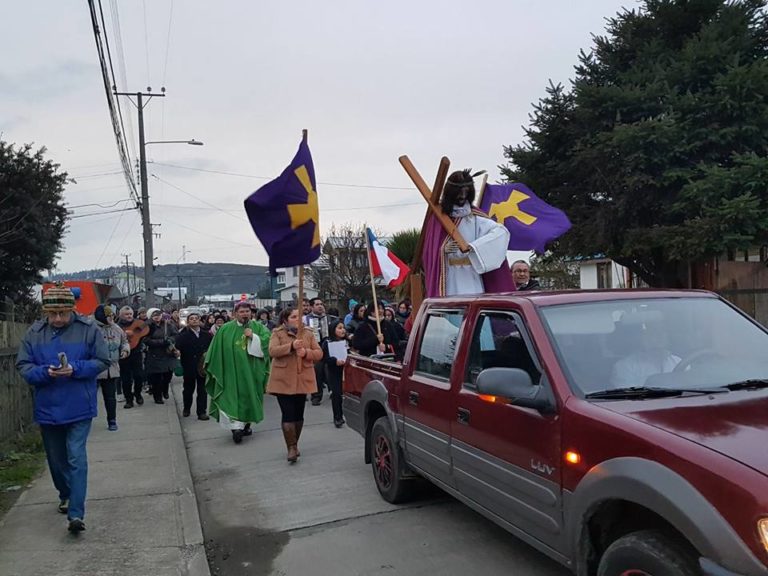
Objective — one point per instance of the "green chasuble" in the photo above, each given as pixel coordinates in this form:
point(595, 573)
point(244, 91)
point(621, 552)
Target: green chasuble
point(235, 379)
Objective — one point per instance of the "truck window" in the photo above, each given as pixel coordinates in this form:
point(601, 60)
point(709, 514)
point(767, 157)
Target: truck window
point(438, 345)
point(498, 343)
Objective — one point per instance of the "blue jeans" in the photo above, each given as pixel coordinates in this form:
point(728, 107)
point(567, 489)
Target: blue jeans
point(68, 462)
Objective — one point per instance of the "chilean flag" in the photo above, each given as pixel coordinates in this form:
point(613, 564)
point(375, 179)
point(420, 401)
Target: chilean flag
point(385, 263)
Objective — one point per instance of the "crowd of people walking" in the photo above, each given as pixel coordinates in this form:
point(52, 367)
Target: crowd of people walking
point(228, 361)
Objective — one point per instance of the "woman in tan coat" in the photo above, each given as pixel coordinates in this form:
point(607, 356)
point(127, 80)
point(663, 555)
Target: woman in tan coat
point(294, 351)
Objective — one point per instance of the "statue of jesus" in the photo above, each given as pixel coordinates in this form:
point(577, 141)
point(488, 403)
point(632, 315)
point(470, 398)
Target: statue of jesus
point(483, 269)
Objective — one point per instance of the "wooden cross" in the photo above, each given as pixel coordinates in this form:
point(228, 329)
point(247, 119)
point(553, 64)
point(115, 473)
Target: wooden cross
point(432, 197)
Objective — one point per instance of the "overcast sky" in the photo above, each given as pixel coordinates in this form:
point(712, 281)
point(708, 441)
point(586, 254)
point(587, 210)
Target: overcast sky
point(369, 80)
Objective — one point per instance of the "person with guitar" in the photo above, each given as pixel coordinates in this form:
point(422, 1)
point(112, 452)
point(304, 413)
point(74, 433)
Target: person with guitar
point(132, 367)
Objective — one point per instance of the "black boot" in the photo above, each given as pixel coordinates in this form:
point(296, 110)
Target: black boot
point(237, 436)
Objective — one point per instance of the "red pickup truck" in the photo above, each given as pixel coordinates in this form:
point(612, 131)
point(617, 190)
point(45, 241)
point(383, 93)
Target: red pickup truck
point(623, 433)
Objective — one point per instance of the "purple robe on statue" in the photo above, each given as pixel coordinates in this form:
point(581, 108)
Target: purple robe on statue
point(433, 262)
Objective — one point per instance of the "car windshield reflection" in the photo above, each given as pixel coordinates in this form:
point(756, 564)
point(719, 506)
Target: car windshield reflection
point(673, 343)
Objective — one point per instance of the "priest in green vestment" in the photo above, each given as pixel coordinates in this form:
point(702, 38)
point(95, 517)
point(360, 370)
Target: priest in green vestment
point(237, 368)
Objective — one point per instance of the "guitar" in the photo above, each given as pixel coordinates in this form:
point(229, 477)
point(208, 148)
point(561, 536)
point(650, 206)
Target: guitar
point(135, 332)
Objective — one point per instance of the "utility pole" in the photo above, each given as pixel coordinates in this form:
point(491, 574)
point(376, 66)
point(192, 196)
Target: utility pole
point(178, 280)
point(127, 275)
point(149, 285)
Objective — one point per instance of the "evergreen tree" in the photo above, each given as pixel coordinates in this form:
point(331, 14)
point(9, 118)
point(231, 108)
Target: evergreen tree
point(32, 218)
point(658, 152)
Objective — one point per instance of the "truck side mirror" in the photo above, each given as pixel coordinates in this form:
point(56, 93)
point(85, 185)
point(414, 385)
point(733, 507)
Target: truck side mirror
point(514, 385)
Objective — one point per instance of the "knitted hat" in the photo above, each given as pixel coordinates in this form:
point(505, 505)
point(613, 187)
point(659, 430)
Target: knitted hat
point(152, 311)
point(58, 298)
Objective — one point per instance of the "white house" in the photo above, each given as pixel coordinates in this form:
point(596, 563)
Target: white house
point(288, 284)
point(604, 273)
point(173, 293)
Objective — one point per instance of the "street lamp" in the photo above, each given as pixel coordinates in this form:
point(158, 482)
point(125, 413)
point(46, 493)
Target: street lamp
point(191, 142)
point(149, 284)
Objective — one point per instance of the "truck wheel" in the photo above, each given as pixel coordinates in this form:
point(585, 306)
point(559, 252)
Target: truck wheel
point(648, 553)
point(386, 462)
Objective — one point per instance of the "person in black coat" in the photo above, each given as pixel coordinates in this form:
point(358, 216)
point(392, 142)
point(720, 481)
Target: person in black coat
point(160, 360)
point(193, 343)
point(366, 339)
point(335, 371)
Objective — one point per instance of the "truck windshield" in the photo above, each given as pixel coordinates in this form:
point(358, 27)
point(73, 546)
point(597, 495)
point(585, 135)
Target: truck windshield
point(674, 343)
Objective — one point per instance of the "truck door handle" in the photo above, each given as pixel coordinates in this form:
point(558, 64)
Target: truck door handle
point(463, 416)
point(413, 398)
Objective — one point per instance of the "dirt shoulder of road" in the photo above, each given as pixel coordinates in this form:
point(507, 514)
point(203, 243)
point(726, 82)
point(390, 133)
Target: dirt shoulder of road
point(21, 461)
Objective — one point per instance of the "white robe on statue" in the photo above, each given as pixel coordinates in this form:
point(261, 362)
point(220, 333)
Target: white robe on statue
point(488, 243)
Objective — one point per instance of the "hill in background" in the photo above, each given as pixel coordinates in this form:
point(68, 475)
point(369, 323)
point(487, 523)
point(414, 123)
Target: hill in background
point(200, 278)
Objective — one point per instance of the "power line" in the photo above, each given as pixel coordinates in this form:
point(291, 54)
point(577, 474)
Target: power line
point(87, 166)
point(100, 213)
point(96, 175)
point(168, 43)
point(348, 209)
point(372, 186)
point(99, 189)
point(121, 70)
point(122, 242)
point(209, 235)
point(99, 205)
point(198, 198)
point(113, 110)
point(109, 240)
point(92, 222)
point(112, 72)
point(146, 41)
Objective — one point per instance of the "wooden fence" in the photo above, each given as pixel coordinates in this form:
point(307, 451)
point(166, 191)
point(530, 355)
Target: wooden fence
point(16, 403)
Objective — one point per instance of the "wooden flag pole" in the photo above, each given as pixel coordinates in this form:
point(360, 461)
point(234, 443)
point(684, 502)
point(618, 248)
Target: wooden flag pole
point(300, 303)
point(368, 248)
point(449, 225)
point(482, 190)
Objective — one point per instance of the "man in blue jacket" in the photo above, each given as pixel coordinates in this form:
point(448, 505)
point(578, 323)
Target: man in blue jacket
point(65, 392)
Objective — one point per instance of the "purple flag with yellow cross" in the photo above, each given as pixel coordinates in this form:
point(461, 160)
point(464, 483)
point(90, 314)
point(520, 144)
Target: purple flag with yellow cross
point(284, 214)
point(531, 221)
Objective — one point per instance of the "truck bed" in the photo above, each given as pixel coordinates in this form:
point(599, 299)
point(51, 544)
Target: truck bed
point(359, 371)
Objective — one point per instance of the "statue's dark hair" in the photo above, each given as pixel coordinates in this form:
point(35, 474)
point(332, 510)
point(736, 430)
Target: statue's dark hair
point(456, 182)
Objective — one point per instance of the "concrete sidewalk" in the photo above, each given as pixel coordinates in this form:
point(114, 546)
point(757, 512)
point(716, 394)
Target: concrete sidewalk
point(141, 511)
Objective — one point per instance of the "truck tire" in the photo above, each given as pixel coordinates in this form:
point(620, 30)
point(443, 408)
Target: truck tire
point(648, 553)
point(387, 463)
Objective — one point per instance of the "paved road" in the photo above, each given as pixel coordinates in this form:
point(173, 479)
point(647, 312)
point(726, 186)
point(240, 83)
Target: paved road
point(323, 516)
